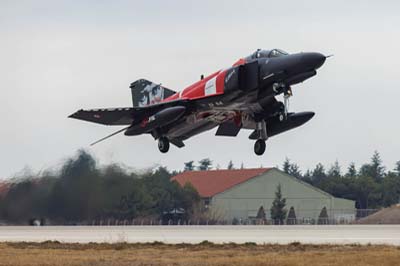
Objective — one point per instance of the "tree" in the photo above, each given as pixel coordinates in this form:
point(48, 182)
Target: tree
point(205, 164)
point(76, 194)
point(278, 212)
point(291, 168)
point(307, 177)
point(375, 169)
point(323, 217)
point(295, 171)
point(189, 166)
point(334, 171)
point(397, 168)
point(291, 218)
point(261, 213)
point(378, 170)
point(230, 165)
point(318, 174)
point(190, 199)
point(391, 189)
point(365, 190)
point(286, 166)
point(351, 170)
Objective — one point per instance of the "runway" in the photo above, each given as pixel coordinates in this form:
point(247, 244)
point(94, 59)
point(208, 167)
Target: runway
point(308, 234)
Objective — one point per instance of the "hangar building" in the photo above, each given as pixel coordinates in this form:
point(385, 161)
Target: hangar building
point(239, 194)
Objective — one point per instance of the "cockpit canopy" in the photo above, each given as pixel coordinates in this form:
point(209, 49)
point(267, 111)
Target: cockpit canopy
point(267, 54)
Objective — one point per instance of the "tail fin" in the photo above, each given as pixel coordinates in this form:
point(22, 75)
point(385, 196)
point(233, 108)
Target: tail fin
point(145, 93)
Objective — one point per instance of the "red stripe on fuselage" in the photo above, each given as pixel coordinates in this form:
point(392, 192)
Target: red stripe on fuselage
point(241, 61)
point(197, 90)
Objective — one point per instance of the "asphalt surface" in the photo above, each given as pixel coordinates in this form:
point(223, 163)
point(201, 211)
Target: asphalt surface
point(312, 234)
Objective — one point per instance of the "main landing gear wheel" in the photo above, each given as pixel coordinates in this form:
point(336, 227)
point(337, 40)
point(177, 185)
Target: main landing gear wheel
point(259, 147)
point(163, 144)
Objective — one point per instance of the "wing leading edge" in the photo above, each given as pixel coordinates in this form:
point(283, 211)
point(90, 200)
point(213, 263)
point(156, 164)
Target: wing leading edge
point(106, 116)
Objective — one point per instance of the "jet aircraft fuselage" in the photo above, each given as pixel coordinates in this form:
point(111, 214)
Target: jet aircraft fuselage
point(242, 96)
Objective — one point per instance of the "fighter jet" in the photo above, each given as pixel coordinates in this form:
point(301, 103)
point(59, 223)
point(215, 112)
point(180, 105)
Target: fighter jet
point(243, 96)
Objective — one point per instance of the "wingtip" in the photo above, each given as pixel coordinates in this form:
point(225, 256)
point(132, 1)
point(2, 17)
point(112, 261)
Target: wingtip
point(73, 115)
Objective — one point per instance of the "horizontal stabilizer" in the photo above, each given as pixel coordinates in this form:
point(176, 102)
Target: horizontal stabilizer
point(123, 116)
point(106, 116)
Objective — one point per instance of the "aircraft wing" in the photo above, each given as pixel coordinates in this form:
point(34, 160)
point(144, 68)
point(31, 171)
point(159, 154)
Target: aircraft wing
point(122, 116)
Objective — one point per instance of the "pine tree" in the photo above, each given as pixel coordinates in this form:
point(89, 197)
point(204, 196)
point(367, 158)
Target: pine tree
point(391, 189)
point(189, 166)
point(295, 171)
point(261, 213)
point(278, 212)
point(205, 164)
point(291, 218)
point(323, 216)
point(366, 190)
point(351, 170)
point(375, 169)
point(318, 174)
point(397, 168)
point(335, 171)
point(378, 170)
point(291, 168)
point(307, 177)
point(286, 165)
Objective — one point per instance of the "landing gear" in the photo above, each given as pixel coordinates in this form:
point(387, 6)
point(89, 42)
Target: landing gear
point(279, 88)
point(259, 147)
point(163, 144)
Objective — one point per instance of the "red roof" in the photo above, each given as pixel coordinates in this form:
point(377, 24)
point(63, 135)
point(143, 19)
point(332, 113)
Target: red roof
point(209, 183)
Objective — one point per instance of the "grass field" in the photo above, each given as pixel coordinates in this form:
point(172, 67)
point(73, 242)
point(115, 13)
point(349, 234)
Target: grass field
point(54, 253)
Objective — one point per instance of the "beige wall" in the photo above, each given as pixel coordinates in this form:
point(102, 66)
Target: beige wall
point(244, 200)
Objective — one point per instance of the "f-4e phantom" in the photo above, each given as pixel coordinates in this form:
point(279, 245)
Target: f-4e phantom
point(243, 96)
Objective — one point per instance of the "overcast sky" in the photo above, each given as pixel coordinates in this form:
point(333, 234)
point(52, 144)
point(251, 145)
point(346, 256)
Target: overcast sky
point(60, 56)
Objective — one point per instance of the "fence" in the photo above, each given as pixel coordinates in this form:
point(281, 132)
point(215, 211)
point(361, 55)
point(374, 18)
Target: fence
point(338, 219)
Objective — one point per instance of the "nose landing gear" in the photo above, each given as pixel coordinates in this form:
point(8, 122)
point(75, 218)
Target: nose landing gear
point(279, 88)
point(163, 144)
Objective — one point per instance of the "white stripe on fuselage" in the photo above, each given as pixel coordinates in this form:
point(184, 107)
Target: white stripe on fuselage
point(211, 86)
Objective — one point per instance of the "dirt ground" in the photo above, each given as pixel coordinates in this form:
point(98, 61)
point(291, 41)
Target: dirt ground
point(53, 253)
point(389, 215)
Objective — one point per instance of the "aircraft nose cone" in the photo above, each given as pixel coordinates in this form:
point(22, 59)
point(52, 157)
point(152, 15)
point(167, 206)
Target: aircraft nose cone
point(313, 60)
